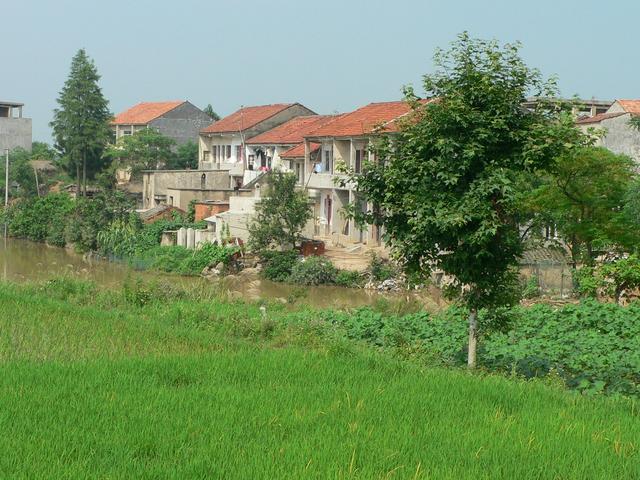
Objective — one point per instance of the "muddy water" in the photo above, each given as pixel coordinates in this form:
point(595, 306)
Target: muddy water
point(22, 261)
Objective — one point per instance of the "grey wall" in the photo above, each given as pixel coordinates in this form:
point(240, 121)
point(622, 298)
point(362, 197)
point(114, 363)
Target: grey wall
point(159, 181)
point(183, 123)
point(15, 132)
point(620, 137)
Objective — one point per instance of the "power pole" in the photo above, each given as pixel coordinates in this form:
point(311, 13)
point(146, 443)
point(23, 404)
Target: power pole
point(6, 178)
point(6, 191)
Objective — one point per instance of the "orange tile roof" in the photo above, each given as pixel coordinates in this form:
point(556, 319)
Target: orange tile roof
point(293, 131)
point(298, 150)
point(246, 117)
point(630, 106)
point(143, 113)
point(597, 118)
point(364, 120)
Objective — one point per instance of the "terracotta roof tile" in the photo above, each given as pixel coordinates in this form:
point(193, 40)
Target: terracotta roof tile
point(630, 106)
point(293, 131)
point(246, 117)
point(364, 120)
point(597, 118)
point(143, 113)
point(298, 150)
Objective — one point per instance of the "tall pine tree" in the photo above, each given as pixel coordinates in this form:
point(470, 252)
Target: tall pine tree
point(81, 122)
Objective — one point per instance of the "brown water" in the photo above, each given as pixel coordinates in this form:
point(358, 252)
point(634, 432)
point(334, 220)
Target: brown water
point(22, 261)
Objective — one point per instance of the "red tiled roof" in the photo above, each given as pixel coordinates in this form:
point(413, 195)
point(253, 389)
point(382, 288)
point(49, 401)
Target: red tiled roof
point(598, 118)
point(293, 131)
point(298, 150)
point(364, 120)
point(630, 106)
point(143, 113)
point(245, 118)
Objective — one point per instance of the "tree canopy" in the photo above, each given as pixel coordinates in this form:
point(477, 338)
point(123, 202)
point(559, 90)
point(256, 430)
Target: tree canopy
point(447, 186)
point(211, 112)
point(146, 149)
point(81, 121)
point(584, 196)
point(280, 215)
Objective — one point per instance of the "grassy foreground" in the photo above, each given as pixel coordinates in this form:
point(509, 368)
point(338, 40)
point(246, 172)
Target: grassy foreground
point(95, 387)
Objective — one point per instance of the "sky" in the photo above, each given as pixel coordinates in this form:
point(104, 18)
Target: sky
point(330, 55)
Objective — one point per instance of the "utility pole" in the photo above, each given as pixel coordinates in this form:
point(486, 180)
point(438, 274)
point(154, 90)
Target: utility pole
point(6, 192)
point(6, 178)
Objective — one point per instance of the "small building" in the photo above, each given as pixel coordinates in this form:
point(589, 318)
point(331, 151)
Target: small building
point(222, 144)
point(160, 212)
point(581, 108)
point(234, 222)
point(15, 130)
point(179, 120)
point(614, 130)
point(207, 208)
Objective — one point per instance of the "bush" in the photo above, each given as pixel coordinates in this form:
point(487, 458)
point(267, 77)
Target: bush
point(313, 271)
point(277, 266)
point(346, 278)
point(175, 259)
point(381, 269)
point(531, 287)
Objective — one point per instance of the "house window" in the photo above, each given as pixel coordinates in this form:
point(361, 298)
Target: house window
point(328, 160)
point(360, 158)
point(550, 232)
point(239, 153)
point(252, 161)
point(299, 173)
point(205, 155)
point(228, 151)
point(126, 132)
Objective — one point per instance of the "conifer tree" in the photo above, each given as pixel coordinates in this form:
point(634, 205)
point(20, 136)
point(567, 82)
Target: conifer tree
point(81, 121)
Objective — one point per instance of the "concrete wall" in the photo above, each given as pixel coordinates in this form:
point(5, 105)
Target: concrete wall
point(620, 137)
point(183, 123)
point(14, 133)
point(157, 182)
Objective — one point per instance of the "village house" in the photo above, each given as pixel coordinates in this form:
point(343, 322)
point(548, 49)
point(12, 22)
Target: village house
point(222, 144)
point(343, 140)
point(179, 120)
point(15, 130)
point(614, 130)
point(264, 151)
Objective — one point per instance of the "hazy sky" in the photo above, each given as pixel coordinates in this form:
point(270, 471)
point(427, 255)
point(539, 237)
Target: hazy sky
point(327, 54)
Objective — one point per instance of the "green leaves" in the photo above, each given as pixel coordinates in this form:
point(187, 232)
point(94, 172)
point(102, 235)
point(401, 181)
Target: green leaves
point(281, 215)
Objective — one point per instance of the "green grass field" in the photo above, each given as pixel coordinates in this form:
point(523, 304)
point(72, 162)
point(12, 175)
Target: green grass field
point(91, 387)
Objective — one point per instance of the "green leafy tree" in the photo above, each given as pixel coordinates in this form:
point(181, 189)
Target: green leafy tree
point(584, 196)
point(146, 149)
point(186, 157)
point(22, 179)
point(211, 112)
point(281, 215)
point(81, 121)
point(447, 189)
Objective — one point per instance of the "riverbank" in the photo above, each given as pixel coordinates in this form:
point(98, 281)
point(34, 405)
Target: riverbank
point(147, 383)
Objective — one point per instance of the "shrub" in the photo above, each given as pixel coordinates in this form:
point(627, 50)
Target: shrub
point(381, 269)
point(531, 287)
point(277, 266)
point(313, 271)
point(347, 278)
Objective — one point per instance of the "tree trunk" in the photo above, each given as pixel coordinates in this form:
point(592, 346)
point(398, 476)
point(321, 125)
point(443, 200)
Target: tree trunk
point(78, 189)
point(84, 174)
point(473, 338)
